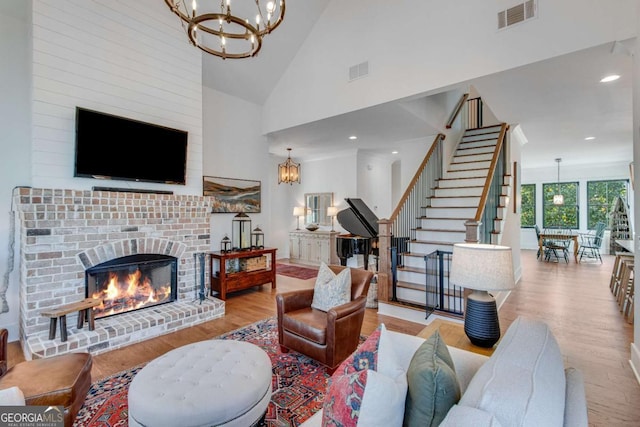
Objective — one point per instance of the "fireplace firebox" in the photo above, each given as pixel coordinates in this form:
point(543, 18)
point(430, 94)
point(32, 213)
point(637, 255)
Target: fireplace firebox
point(132, 282)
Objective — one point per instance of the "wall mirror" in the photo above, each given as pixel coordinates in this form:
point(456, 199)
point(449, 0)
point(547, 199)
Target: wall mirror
point(316, 205)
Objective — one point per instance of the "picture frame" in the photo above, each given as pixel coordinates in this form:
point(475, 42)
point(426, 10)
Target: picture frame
point(232, 195)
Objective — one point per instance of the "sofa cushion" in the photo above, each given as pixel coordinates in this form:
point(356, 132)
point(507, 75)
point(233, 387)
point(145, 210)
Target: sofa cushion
point(523, 382)
point(331, 290)
point(432, 384)
point(369, 388)
point(465, 416)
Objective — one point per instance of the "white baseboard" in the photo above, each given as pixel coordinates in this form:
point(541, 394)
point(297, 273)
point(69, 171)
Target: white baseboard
point(635, 361)
point(410, 314)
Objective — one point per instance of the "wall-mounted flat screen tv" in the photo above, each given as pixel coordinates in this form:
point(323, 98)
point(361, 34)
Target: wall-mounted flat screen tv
point(112, 147)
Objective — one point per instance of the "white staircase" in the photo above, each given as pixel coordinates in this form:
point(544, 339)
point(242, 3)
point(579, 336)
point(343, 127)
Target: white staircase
point(456, 201)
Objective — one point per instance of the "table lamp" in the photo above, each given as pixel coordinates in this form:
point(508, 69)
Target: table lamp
point(298, 211)
point(332, 211)
point(482, 268)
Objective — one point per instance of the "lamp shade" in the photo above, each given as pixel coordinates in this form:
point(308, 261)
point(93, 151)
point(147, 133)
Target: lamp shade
point(558, 199)
point(482, 267)
point(332, 211)
point(298, 211)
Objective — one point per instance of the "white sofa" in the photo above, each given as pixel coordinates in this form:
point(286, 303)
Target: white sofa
point(523, 383)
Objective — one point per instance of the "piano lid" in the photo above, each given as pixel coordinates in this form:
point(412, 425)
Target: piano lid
point(358, 219)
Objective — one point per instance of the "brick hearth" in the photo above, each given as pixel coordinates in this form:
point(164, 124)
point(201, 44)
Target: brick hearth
point(64, 232)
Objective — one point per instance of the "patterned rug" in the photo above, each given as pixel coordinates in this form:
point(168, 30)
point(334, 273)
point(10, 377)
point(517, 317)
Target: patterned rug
point(298, 384)
point(296, 272)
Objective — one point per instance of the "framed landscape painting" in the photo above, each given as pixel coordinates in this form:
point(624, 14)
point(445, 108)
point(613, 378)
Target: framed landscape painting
point(232, 195)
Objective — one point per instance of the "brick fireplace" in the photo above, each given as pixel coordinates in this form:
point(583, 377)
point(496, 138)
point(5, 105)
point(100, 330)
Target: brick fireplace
point(65, 232)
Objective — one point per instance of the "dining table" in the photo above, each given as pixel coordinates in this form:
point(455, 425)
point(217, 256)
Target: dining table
point(559, 236)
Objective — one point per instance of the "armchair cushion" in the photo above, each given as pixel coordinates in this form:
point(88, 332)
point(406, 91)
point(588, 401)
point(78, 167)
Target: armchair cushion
point(331, 289)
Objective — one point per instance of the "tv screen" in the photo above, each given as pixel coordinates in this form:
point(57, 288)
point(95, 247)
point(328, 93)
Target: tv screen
point(112, 147)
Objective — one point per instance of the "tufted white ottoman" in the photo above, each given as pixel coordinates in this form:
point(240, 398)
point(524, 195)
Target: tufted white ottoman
point(208, 383)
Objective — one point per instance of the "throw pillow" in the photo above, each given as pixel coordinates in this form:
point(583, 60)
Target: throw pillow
point(331, 290)
point(365, 356)
point(432, 384)
point(369, 388)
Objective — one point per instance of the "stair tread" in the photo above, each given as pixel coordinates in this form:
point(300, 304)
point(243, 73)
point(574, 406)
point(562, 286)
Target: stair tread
point(441, 230)
point(430, 242)
point(415, 254)
point(410, 305)
point(413, 270)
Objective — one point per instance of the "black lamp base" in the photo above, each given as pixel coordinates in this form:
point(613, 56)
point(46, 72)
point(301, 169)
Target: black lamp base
point(481, 319)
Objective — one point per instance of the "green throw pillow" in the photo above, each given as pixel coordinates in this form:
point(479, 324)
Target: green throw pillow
point(433, 386)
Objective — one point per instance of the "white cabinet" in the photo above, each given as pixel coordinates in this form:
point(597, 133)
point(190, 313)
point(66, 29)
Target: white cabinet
point(313, 247)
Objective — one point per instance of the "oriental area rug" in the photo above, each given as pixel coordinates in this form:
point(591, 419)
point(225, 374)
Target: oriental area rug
point(296, 271)
point(298, 384)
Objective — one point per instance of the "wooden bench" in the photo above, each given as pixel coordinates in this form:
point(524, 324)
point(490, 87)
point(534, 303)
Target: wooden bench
point(85, 312)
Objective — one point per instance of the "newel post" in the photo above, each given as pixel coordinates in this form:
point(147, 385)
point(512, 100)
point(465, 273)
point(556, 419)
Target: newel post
point(472, 228)
point(384, 260)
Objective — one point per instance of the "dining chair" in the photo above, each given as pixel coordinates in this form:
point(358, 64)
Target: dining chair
point(590, 243)
point(554, 246)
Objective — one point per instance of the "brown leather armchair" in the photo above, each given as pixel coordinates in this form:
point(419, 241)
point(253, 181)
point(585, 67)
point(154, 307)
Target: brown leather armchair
point(326, 337)
point(54, 381)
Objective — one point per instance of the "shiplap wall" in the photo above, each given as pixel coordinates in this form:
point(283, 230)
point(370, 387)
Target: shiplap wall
point(128, 58)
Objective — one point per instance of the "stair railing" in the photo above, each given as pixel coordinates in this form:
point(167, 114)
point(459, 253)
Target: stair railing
point(401, 225)
point(481, 227)
point(456, 110)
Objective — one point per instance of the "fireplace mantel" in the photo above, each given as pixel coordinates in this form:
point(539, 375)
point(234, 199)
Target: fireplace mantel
point(64, 232)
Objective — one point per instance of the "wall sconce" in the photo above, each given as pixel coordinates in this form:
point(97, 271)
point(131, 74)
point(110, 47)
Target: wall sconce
point(332, 211)
point(241, 232)
point(298, 211)
point(257, 238)
point(225, 244)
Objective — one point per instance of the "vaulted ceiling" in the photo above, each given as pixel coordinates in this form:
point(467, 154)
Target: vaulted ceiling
point(557, 102)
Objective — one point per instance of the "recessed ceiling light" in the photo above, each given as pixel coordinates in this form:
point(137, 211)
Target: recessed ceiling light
point(610, 78)
point(352, 137)
point(394, 152)
point(590, 138)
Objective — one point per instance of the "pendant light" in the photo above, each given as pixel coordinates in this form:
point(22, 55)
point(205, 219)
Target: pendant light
point(558, 199)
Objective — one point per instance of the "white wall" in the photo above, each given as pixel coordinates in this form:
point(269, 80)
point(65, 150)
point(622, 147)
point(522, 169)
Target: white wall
point(374, 183)
point(15, 144)
point(412, 48)
point(130, 59)
point(570, 173)
point(335, 174)
point(235, 148)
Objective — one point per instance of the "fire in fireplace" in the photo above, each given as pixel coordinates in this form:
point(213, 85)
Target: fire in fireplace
point(132, 282)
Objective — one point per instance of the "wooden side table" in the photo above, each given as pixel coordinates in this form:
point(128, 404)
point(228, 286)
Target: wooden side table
point(453, 334)
point(234, 271)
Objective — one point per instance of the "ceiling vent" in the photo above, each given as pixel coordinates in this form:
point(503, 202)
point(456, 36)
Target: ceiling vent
point(517, 14)
point(359, 71)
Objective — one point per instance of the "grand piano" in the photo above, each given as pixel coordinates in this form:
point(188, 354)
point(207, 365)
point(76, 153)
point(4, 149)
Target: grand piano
point(362, 225)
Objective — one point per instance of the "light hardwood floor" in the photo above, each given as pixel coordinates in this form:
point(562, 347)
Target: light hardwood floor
point(573, 299)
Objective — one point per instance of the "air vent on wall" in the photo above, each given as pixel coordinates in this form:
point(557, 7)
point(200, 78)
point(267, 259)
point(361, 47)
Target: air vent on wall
point(516, 14)
point(358, 71)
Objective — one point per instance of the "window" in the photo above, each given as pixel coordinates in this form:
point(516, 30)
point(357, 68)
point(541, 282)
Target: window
point(528, 205)
point(601, 196)
point(560, 216)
